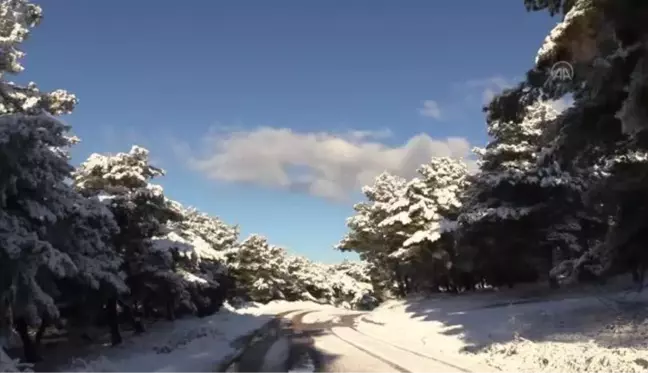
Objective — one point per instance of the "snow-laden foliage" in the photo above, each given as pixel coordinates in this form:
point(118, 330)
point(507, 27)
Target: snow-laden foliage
point(47, 230)
point(523, 205)
point(399, 229)
point(558, 195)
point(258, 267)
point(428, 205)
point(142, 211)
point(606, 42)
point(198, 237)
point(171, 252)
point(346, 291)
point(33, 199)
point(357, 270)
point(219, 235)
point(365, 234)
point(507, 166)
point(264, 272)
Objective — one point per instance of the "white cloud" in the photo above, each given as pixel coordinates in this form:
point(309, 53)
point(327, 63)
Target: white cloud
point(324, 164)
point(379, 134)
point(430, 109)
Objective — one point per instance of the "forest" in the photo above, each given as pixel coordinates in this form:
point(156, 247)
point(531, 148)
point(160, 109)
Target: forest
point(555, 196)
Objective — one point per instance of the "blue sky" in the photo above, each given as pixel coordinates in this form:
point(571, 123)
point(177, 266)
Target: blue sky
point(272, 114)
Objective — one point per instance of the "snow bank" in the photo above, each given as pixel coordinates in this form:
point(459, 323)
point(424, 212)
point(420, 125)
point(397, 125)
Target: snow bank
point(194, 344)
point(578, 334)
point(279, 306)
point(319, 317)
point(528, 356)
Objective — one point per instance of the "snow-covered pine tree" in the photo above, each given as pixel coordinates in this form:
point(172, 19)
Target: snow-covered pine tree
point(606, 43)
point(505, 207)
point(358, 270)
point(402, 227)
point(374, 243)
point(346, 291)
point(306, 280)
point(122, 182)
point(264, 272)
point(508, 160)
point(259, 268)
point(201, 243)
point(424, 216)
point(217, 233)
point(37, 204)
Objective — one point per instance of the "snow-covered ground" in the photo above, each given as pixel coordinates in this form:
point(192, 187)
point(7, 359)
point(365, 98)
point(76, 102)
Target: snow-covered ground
point(582, 333)
point(568, 332)
point(319, 317)
point(186, 345)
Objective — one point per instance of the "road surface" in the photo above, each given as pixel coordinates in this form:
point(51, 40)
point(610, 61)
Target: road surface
point(321, 341)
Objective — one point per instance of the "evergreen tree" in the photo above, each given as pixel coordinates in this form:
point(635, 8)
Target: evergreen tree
point(502, 212)
point(424, 216)
point(38, 206)
point(259, 268)
point(402, 229)
point(605, 42)
point(373, 242)
point(122, 182)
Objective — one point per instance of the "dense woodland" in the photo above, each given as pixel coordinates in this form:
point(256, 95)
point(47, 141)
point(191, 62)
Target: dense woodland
point(556, 197)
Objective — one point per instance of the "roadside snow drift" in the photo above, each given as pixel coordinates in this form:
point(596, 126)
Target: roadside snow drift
point(186, 345)
point(580, 334)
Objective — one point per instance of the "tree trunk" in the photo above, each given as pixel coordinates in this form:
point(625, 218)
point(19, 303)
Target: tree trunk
point(553, 282)
point(147, 308)
point(113, 322)
point(132, 317)
point(400, 282)
point(408, 284)
point(170, 312)
point(45, 322)
point(29, 349)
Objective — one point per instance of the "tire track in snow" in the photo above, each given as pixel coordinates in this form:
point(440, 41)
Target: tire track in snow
point(298, 323)
point(349, 321)
point(439, 361)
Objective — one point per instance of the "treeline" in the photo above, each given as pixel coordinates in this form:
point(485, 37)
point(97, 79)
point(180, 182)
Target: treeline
point(93, 248)
point(558, 196)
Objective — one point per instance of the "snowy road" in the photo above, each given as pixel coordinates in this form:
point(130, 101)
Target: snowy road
point(327, 341)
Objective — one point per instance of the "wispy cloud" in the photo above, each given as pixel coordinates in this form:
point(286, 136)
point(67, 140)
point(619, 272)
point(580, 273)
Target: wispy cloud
point(430, 109)
point(324, 164)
